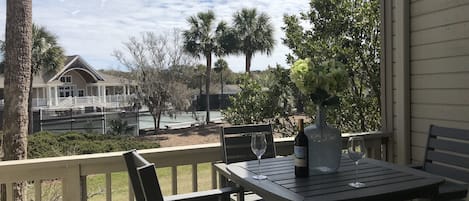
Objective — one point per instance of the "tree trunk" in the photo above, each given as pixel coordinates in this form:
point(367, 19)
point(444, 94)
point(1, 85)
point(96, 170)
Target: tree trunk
point(17, 77)
point(221, 83)
point(155, 123)
point(30, 105)
point(159, 120)
point(199, 102)
point(248, 62)
point(200, 85)
point(207, 86)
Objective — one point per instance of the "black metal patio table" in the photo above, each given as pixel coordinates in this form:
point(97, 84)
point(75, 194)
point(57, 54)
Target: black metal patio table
point(384, 181)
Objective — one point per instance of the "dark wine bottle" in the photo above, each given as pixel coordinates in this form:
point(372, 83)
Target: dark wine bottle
point(301, 152)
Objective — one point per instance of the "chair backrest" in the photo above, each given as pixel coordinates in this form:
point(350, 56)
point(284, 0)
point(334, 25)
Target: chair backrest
point(236, 142)
point(144, 182)
point(447, 153)
point(147, 176)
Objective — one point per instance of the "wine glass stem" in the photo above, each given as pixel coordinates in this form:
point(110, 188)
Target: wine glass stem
point(258, 165)
point(356, 167)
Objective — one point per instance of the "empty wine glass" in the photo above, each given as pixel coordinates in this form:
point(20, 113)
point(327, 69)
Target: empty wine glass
point(356, 151)
point(258, 146)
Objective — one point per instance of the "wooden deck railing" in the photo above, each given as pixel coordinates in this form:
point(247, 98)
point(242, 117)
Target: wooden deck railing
point(73, 170)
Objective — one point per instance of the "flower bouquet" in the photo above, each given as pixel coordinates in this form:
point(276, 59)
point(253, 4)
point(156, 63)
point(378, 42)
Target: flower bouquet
point(321, 82)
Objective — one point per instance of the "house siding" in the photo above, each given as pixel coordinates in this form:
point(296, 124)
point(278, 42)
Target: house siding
point(439, 68)
point(77, 80)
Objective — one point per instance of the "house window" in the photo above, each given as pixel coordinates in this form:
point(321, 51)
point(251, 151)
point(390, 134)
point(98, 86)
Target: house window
point(66, 91)
point(66, 79)
point(81, 92)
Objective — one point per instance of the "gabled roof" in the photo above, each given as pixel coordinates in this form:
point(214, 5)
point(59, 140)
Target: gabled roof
point(75, 62)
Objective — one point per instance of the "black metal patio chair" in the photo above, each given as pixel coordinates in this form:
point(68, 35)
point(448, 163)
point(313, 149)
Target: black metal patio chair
point(447, 155)
point(147, 188)
point(236, 146)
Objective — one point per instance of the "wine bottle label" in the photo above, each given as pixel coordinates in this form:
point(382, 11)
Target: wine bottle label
point(300, 156)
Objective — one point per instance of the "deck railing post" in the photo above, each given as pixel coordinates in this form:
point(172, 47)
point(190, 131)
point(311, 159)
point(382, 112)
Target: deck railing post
point(384, 149)
point(37, 190)
point(194, 178)
point(174, 179)
point(84, 188)
point(71, 184)
point(214, 175)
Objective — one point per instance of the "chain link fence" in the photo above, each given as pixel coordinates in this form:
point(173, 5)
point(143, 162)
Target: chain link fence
point(87, 120)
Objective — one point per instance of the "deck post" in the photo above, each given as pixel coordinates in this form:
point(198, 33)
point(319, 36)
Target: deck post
point(71, 184)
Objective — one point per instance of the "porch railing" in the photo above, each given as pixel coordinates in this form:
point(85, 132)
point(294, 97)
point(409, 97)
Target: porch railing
point(72, 171)
point(111, 101)
point(39, 102)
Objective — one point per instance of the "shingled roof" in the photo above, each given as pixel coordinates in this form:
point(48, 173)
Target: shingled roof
point(73, 62)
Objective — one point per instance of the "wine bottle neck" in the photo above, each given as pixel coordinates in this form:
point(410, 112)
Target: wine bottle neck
point(301, 126)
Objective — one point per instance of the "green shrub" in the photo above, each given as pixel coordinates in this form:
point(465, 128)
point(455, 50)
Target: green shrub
point(45, 144)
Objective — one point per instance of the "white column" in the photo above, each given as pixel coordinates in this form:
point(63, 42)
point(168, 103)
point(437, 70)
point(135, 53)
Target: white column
point(104, 93)
point(56, 95)
point(49, 96)
point(99, 94)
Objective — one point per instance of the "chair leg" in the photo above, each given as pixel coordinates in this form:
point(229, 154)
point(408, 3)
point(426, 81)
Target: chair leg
point(240, 194)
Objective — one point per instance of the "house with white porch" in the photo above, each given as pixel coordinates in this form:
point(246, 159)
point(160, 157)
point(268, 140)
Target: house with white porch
point(77, 85)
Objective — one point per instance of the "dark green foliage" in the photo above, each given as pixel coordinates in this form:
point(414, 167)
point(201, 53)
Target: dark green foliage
point(266, 103)
point(119, 127)
point(347, 30)
point(247, 107)
point(49, 145)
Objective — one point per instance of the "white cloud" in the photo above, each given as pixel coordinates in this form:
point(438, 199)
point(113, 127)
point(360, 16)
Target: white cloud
point(94, 29)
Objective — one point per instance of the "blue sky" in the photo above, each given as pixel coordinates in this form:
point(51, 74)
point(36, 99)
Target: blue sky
point(95, 28)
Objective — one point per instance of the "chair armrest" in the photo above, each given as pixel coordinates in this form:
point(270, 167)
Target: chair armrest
point(203, 195)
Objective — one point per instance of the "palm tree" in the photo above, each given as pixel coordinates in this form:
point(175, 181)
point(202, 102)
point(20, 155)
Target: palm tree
point(220, 66)
point(17, 77)
point(199, 72)
point(47, 56)
point(201, 40)
point(254, 32)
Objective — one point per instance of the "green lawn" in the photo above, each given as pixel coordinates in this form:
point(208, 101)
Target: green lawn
point(96, 183)
point(51, 190)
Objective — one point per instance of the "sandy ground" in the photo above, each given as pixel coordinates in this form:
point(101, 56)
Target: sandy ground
point(197, 135)
point(188, 136)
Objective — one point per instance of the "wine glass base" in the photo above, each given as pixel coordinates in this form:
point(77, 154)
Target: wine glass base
point(357, 184)
point(259, 177)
